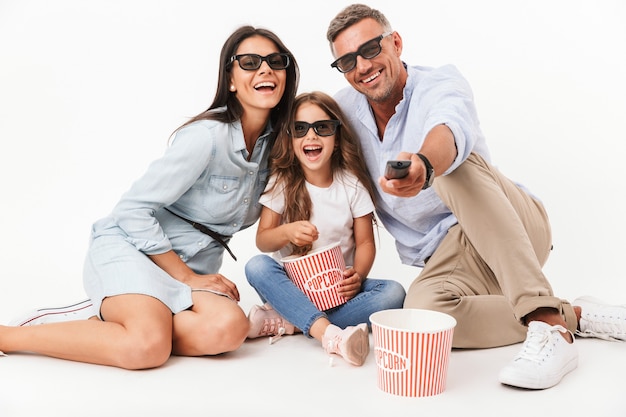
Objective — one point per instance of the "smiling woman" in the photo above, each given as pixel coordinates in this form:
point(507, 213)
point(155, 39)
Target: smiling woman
point(153, 264)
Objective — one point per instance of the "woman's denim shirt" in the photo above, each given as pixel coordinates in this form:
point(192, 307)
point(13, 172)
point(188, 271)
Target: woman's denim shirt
point(204, 176)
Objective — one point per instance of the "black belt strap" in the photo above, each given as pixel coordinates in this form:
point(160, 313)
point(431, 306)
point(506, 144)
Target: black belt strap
point(216, 236)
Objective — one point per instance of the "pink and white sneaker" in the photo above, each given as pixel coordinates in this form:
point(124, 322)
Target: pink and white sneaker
point(351, 343)
point(265, 321)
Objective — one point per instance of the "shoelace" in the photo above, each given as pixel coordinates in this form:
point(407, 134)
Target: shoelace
point(279, 334)
point(330, 348)
point(534, 348)
point(273, 327)
point(331, 345)
point(605, 324)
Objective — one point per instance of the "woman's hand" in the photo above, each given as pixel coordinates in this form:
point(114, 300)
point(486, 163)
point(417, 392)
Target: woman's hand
point(216, 283)
point(350, 285)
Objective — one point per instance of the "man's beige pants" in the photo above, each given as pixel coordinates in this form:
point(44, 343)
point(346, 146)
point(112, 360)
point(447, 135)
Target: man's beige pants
point(487, 272)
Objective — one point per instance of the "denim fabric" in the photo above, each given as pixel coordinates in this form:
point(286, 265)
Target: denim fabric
point(206, 175)
point(269, 279)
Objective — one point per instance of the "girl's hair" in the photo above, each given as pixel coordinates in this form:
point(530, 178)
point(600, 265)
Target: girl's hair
point(224, 98)
point(288, 171)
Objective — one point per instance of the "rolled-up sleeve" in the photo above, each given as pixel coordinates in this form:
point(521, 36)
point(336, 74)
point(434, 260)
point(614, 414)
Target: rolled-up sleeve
point(449, 100)
point(165, 180)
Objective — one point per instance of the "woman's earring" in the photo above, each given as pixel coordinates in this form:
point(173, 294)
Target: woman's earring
point(232, 88)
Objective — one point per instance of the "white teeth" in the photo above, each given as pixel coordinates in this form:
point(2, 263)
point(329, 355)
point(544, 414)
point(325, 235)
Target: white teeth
point(265, 84)
point(367, 80)
point(312, 148)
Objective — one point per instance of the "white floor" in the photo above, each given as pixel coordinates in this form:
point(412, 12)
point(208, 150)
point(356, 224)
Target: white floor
point(293, 377)
point(84, 108)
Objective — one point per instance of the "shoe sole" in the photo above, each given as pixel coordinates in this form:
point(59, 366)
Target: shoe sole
point(358, 347)
point(31, 317)
point(528, 383)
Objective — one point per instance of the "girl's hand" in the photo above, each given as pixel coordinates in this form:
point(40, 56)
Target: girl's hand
point(216, 283)
point(350, 285)
point(302, 233)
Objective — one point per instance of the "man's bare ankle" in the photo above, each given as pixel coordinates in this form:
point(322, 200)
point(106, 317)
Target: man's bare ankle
point(550, 316)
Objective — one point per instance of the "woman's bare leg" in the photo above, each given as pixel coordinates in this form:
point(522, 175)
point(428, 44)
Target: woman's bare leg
point(215, 324)
point(136, 335)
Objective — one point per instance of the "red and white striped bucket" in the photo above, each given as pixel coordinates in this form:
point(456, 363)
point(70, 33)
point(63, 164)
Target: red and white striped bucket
point(412, 349)
point(317, 275)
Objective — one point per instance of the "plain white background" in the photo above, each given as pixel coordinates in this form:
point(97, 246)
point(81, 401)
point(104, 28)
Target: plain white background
point(91, 90)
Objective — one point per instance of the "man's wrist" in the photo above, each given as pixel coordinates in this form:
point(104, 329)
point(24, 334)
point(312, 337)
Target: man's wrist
point(430, 172)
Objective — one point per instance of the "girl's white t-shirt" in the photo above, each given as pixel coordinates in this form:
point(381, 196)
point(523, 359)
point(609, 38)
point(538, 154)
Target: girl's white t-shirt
point(333, 211)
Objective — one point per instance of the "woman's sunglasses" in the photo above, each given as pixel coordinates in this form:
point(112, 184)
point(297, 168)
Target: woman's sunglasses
point(251, 62)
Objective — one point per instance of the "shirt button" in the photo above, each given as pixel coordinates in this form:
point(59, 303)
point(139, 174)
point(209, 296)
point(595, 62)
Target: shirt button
point(245, 200)
point(234, 224)
point(224, 187)
point(251, 172)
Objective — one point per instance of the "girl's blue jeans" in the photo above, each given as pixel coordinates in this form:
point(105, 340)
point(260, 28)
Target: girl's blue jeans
point(268, 277)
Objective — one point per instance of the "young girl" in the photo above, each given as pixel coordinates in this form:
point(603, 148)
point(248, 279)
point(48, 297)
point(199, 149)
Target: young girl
point(152, 270)
point(319, 193)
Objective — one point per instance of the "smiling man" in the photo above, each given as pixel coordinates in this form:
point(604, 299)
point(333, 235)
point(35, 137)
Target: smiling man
point(480, 238)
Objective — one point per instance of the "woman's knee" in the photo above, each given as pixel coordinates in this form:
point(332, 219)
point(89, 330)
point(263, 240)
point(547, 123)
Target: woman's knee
point(234, 329)
point(145, 351)
point(219, 332)
point(146, 326)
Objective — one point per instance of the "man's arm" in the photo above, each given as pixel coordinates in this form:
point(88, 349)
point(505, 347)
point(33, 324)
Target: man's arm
point(440, 150)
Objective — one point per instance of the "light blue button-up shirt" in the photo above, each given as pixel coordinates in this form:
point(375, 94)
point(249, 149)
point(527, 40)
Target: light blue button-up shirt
point(432, 96)
point(204, 175)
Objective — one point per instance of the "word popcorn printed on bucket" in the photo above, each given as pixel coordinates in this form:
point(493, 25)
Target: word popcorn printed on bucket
point(391, 361)
point(317, 275)
point(412, 349)
point(325, 280)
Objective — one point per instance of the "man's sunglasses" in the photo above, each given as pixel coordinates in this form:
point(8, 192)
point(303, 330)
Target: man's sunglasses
point(251, 62)
point(368, 50)
point(321, 128)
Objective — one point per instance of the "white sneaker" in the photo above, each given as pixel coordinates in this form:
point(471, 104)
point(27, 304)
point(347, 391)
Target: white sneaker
point(546, 357)
point(79, 311)
point(601, 320)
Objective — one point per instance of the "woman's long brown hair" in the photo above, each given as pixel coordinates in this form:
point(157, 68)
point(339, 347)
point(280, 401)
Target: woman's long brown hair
point(233, 109)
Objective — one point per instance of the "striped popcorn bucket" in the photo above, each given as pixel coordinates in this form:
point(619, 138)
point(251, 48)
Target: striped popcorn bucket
point(317, 274)
point(412, 349)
